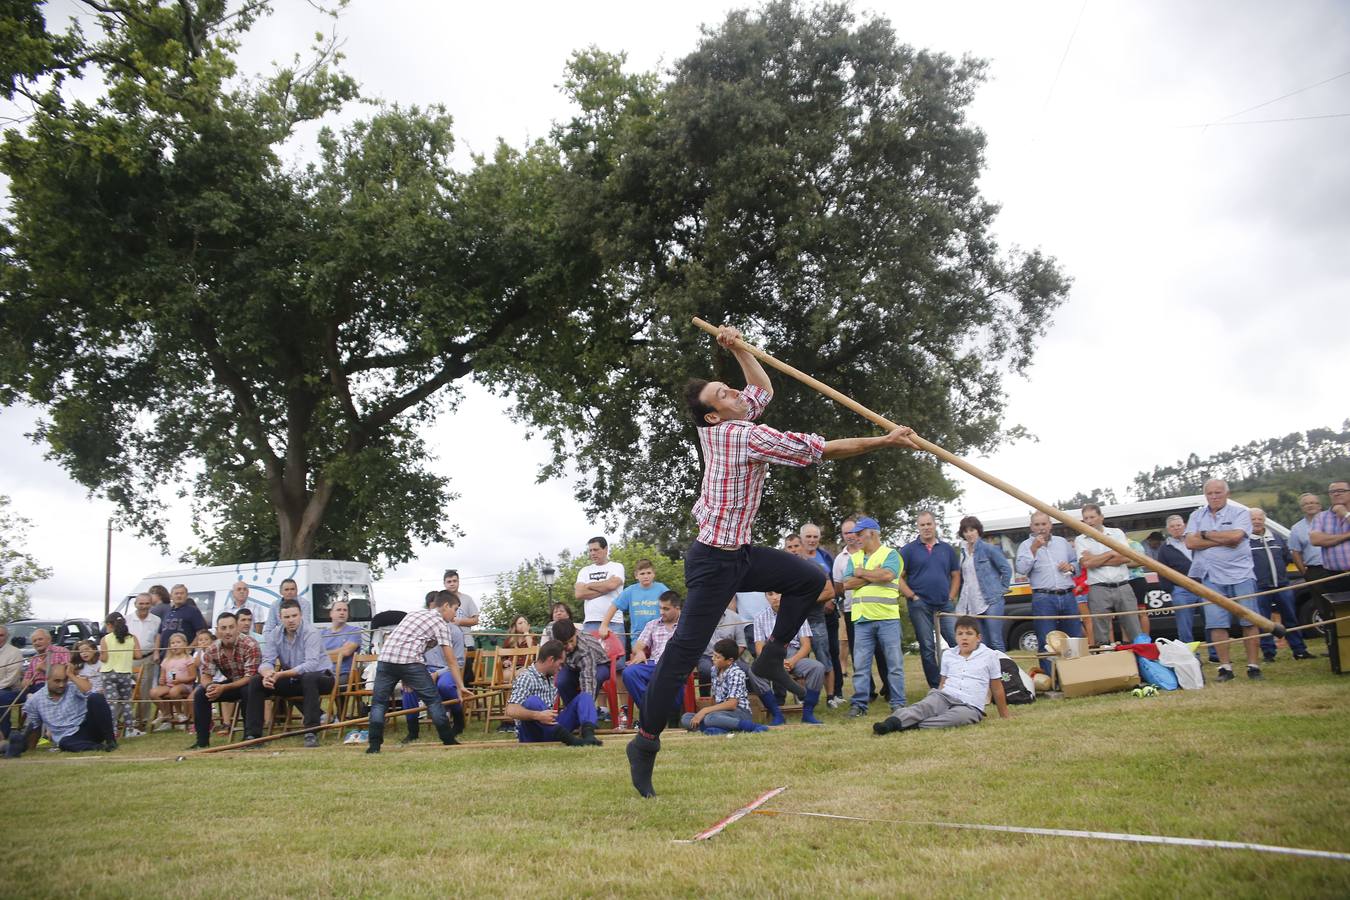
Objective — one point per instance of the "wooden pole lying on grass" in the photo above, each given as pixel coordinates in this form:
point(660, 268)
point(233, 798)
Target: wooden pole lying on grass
point(364, 720)
point(1124, 550)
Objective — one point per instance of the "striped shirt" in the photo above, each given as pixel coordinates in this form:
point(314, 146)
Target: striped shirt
point(655, 637)
point(529, 682)
point(767, 619)
point(1336, 558)
point(736, 457)
point(412, 637)
point(56, 655)
point(729, 684)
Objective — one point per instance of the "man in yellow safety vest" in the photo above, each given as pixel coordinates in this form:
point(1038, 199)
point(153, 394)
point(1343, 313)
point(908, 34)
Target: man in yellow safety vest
point(873, 574)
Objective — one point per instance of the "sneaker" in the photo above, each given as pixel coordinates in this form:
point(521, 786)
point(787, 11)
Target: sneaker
point(132, 732)
point(164, 726)
point(506, 728)
point(1225, 674)
point(1254, 673)
point(1304, 655)
point(834, 702)
point(856, 712)
point(180, 720)
point(311, 741)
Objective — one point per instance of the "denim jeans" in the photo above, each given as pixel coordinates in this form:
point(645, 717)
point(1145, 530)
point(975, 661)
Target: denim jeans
point(992, 629)
point(832, 638)
point(820, 644)
point(867, 636)
point(727, 721)
point(1219, 619)
point(1185, 618)
point(1063, 605)
point(1283, 603)
point(921, 614)
point(415, 677)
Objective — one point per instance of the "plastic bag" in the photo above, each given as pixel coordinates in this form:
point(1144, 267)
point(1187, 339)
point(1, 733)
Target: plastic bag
point(1182, 662)
point(1153, 672)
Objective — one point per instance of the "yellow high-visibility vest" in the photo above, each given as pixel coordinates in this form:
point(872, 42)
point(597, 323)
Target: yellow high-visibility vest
point(876, 602)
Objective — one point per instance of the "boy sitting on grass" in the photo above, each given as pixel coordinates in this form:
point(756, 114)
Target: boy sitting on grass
point(730, 709)
point(970, 671)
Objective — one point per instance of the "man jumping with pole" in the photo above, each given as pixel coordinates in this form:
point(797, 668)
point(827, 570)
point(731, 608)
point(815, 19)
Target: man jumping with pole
point(722, 561)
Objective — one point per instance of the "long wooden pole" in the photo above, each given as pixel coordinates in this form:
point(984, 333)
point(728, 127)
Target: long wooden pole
point(364, 720)
point(1124, 550)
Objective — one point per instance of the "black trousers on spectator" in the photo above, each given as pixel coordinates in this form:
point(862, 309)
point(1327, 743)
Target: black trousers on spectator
point(251, 702)
point(311, 686)
point(712, 577)
point(96, 729)
point(832, 626)
point(1319, 591)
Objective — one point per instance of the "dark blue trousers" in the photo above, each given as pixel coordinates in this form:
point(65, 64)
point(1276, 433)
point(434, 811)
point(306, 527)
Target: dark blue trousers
point(712, 577)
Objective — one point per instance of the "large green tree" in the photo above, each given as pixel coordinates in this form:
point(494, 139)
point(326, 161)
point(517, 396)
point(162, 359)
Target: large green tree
point(19, 569)
point(804, 174)
point(187, 306)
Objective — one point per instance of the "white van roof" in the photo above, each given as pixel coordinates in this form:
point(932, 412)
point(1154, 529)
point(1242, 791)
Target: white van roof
point(1115, 510)
point(255, 568)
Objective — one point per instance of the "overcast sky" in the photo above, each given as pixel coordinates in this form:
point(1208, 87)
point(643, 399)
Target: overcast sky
point(1208, 244)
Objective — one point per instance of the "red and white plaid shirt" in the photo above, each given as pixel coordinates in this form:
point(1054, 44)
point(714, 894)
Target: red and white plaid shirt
point(736, 457)
point(418, 632)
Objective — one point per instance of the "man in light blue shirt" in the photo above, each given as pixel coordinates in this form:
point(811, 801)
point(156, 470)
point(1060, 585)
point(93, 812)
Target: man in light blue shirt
point(78, 719)
point(1048, 562)
point(1304, 552)
point(1217, 535)
point(305, 667)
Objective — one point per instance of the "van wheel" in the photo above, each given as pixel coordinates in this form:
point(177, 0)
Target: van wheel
point(1023, 638)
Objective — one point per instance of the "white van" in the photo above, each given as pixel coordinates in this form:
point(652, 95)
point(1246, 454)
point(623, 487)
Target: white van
point(320, 582)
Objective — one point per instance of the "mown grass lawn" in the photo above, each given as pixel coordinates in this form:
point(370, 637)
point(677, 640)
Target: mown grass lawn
point(1262, 762)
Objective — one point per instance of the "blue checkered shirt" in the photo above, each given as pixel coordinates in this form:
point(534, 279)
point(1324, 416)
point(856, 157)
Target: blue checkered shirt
point(530, 683)
point(730, 684)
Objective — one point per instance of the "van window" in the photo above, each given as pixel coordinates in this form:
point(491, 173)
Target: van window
point(356, 595)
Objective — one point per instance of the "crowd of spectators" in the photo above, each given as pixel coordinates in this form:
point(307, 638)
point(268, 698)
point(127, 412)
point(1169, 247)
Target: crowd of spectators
point(162, 651)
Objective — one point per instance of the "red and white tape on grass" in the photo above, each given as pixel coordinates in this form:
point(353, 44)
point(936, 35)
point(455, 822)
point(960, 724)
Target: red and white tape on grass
point(1088, 835)
point(736, 816)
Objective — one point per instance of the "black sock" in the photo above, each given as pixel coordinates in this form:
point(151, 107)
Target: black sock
point(588, 736)
point(642, 752)
point(769, 666)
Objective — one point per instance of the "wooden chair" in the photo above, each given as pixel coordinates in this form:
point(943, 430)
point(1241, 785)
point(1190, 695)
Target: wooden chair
point(496, 686)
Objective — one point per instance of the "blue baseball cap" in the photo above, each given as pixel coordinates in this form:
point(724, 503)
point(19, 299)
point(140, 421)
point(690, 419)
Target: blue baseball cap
point(863, 524)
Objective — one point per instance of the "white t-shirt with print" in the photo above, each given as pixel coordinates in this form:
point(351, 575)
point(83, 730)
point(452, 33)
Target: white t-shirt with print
point(598, 606)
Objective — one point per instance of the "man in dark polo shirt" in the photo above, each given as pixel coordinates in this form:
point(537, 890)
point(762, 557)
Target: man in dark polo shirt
point(931, 582)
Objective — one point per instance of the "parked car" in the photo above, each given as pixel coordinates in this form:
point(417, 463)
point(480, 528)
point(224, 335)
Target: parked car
point(66, 633)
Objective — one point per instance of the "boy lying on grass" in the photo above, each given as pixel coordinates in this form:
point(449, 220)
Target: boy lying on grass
point(730, 709)
point(970, 671)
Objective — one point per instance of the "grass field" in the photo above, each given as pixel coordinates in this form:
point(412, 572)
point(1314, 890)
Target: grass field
point(1261, 762)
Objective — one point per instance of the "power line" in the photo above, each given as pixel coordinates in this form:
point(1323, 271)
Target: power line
point(1267, 121)
point(1281, 97)
point(1060, 68)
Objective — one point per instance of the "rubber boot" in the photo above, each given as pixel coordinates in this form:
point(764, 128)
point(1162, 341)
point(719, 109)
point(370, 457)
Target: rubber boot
point(775, 711)
point(447, 733)
point(562, 735)
point(809, 708)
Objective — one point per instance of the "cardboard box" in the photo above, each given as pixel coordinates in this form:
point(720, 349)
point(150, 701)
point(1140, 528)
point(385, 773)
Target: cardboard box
point(1101, 673)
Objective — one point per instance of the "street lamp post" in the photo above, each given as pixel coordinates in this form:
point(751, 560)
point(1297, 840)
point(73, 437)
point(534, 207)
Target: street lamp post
point(550, 575)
